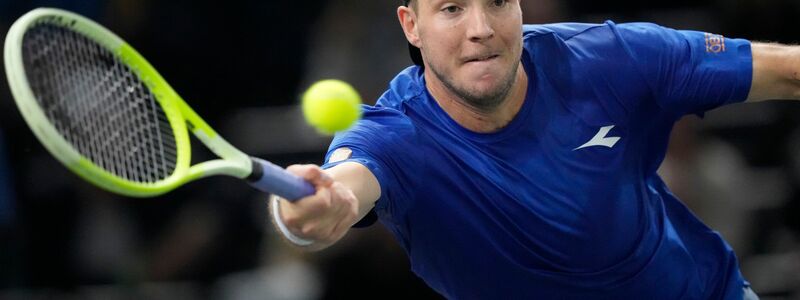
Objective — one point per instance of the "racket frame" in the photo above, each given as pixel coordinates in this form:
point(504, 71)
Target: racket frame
point(232, 162)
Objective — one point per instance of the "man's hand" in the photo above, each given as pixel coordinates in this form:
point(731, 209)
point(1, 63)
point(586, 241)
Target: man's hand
point(323, 217)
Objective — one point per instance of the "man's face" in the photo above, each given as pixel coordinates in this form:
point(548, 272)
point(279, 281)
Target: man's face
point(472, 46)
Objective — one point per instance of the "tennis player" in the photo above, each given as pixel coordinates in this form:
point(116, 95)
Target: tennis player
point(519, 161)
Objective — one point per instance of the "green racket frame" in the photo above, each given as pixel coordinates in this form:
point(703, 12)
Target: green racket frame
point(233, 162)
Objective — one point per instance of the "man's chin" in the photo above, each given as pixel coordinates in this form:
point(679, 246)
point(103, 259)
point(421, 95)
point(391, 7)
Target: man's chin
point(485, 86)
point(491, 74)
point(487, 91)
point(481, 88)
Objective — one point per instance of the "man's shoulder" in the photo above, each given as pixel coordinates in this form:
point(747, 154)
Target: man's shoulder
point(380, 126)
point(568, 39)
point(567, 31)
point(390, 111)
point(406, 86)
point(382, 116)
point(563, 31)
point(589, 43)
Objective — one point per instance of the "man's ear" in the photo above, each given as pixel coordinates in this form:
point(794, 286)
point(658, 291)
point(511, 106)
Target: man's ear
point(408, 20)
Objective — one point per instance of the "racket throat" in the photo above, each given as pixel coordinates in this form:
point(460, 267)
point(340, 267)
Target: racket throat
point(256, 170)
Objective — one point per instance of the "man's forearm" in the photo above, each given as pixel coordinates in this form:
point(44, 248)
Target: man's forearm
point(776, 72)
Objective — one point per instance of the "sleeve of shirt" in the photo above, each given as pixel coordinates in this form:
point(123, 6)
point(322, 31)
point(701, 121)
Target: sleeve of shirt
point(688, 71)
point(370, 141)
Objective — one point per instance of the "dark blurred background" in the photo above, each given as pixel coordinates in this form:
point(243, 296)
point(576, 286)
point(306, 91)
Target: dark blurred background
point(242, 64)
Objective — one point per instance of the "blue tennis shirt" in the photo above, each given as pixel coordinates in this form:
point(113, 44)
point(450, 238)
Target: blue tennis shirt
point(564, 202)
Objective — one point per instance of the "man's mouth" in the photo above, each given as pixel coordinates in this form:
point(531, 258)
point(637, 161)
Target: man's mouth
point(481, 58)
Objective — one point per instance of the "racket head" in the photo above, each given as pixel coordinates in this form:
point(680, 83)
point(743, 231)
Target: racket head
point(100, 108)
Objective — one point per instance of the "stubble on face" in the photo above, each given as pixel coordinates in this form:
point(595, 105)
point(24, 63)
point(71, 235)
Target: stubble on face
point(483, 101)
point(460, 80)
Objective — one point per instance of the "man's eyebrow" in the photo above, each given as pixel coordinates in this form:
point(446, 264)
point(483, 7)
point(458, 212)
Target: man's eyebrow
point(435, 3)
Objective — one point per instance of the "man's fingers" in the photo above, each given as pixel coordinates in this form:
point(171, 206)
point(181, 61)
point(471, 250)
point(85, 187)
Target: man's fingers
point(326, 215)
point(311, 173)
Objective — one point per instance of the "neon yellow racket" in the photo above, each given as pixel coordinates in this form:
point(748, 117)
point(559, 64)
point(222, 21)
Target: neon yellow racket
point(108, 116)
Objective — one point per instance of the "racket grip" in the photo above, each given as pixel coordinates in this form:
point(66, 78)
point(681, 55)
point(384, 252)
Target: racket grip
point(270, 178)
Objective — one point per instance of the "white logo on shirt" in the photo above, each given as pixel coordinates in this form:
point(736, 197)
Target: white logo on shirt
point(600, 139)
point(340, 155)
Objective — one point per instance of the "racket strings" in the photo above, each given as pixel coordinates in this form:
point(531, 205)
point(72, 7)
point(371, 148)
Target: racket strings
point(98, 104)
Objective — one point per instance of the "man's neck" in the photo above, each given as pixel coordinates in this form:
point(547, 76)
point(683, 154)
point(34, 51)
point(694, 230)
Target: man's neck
point(475, 119)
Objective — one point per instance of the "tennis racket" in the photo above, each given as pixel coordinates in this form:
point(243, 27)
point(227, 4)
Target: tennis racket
point(105, 113)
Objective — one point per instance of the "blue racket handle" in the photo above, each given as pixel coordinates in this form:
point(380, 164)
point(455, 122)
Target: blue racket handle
point(270, 178)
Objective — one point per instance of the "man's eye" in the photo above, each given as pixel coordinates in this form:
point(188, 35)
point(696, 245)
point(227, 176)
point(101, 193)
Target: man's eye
point(499, 3)
point(451, 9)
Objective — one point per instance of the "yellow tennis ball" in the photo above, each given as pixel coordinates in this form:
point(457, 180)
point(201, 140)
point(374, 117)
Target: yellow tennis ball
point(331, 105)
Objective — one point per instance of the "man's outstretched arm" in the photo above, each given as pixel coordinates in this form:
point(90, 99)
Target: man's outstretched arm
point(345, 194)
point(776, 72)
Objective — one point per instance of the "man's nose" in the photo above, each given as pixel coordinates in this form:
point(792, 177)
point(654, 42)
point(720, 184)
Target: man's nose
point(480, 26)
